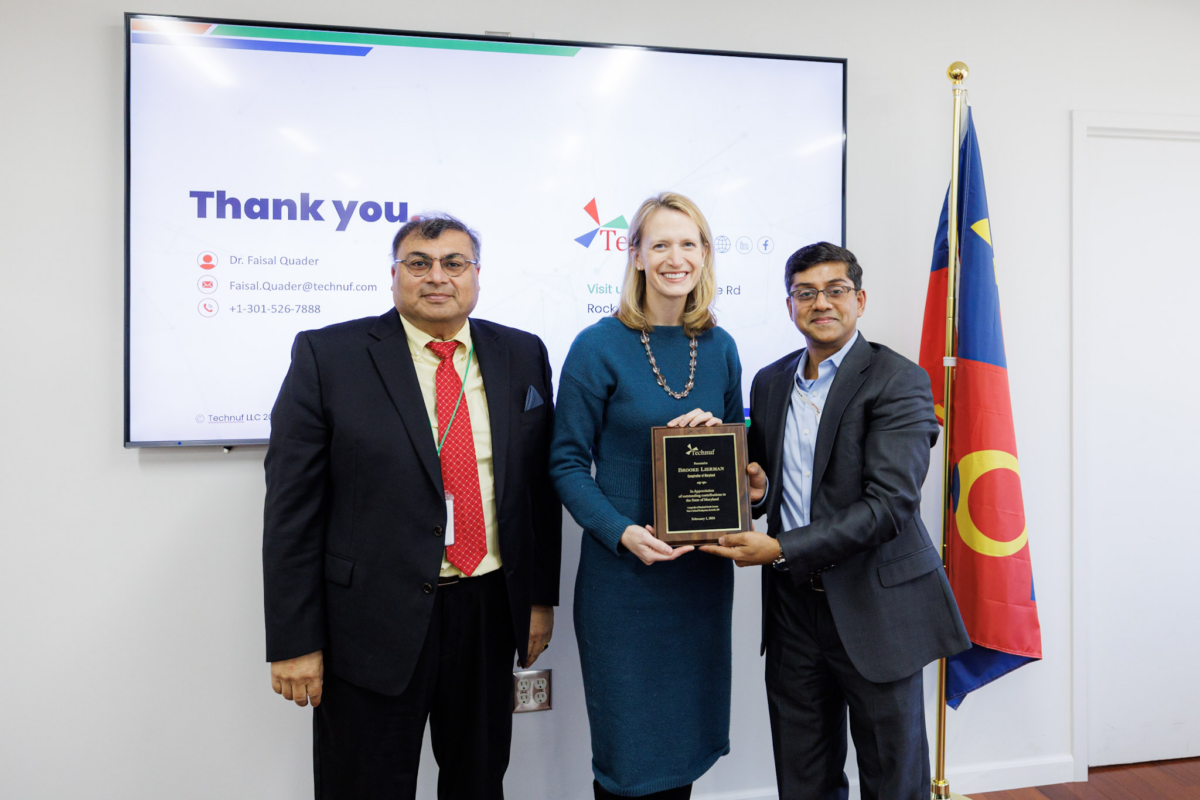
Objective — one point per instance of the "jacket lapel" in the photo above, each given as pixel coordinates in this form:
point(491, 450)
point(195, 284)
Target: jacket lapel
point(849, 378)
point(492, 354)
point(395, 365)
point(779, 399)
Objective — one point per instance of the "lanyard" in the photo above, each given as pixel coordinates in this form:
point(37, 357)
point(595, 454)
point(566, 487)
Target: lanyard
point(807, 398)
point(461, 392)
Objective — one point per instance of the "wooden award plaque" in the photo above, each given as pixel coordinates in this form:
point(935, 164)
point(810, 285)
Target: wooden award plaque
point(700, 487)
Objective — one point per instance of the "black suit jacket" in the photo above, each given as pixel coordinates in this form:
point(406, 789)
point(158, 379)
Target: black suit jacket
point(355, 510)
point(883, 577)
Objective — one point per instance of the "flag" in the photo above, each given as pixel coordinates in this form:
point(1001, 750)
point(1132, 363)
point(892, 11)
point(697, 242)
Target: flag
point(988, 543)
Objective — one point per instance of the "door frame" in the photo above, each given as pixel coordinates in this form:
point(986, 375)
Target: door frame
point(1087, 125)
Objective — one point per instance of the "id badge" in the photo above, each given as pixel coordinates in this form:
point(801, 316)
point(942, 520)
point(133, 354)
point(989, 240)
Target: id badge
point(449, 519)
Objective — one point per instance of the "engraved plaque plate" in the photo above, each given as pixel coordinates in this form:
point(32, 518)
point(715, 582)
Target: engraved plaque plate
point(700, 487)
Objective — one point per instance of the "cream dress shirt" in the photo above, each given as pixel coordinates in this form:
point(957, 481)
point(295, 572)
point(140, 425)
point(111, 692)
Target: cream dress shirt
point(426, 363)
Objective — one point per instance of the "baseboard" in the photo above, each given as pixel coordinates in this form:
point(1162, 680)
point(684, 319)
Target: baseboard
point(1002, 775)
point(761, 793)
point(991, 777)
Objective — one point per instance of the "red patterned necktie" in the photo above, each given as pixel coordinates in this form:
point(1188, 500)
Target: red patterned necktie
point(460, 470)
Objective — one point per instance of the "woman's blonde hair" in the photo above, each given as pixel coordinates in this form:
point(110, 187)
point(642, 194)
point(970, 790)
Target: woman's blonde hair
point(698, 315)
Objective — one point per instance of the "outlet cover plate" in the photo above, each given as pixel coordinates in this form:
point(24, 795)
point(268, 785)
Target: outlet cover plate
point(531, 690)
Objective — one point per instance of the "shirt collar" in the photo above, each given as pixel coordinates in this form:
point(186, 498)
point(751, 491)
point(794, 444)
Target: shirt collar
point(417, 338)
point(835, 359)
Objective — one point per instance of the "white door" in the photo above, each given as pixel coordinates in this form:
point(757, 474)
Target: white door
point(1137, 435)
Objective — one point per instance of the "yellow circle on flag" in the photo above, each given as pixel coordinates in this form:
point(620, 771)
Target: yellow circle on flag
point(971, 468)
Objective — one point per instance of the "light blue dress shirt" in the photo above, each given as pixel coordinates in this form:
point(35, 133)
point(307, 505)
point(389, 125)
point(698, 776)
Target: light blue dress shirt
point(800, 435)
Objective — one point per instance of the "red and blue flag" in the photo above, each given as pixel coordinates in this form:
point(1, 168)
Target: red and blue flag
point(988, 544)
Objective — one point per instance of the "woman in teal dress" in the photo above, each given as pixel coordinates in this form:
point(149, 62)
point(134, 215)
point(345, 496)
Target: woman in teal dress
point(653, 624)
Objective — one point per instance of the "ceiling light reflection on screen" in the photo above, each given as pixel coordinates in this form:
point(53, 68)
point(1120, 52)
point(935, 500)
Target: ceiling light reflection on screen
point(181, 36)
point(622, 62)
point(819, 145)
point(302, 142)
point(203, 61)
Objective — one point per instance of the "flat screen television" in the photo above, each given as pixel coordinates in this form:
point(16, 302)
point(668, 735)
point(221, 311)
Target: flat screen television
point(269, 165)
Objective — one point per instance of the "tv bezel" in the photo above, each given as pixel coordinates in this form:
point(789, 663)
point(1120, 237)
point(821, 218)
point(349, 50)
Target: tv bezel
point(131, 15)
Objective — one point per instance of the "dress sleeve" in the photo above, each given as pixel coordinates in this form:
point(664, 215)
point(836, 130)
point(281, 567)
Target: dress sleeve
point(577, 421)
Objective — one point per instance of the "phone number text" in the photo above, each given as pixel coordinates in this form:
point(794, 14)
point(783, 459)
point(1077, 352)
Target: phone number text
point(266, 308)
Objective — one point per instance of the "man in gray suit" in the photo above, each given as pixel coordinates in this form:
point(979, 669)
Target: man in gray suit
point(855, 601)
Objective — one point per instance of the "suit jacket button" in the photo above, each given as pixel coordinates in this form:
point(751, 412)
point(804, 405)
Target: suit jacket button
point(426, 588)
point(437, 530)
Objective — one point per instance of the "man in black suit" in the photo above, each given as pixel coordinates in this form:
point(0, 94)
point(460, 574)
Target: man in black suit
point(412, 537)
point(855, 600)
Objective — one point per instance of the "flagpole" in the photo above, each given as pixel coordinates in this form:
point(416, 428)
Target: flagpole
point(957, 73)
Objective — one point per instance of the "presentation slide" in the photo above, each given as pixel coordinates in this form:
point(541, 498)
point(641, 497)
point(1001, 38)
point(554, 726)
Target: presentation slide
point(270, 167)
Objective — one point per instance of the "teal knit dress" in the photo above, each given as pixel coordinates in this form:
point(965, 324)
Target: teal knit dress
point(654, 641)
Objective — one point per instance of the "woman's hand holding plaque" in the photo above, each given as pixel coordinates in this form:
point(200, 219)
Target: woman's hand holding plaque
point(641, 542)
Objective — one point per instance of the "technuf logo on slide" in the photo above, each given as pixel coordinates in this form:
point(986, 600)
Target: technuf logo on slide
point(612, 236)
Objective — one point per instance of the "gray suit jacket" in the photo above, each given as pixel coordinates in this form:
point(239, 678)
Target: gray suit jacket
point(883, 577)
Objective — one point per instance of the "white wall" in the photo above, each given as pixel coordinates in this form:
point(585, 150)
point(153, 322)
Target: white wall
point(130, 594)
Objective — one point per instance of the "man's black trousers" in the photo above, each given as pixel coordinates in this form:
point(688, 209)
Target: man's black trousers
point(367, 745)
point(810, 684)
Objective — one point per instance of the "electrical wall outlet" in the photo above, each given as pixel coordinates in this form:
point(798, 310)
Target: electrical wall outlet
point(531, 690)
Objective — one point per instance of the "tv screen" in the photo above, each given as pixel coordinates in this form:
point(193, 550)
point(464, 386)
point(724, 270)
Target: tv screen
point(270, 165)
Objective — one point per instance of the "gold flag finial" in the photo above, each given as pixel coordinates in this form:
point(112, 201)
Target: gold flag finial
point(957, 72)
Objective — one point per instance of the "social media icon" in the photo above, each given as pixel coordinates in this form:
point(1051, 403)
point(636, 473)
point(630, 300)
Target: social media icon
point(207, 259)
point(744, 245)
point(207, 284)
point(766, 244)
point(208, 307)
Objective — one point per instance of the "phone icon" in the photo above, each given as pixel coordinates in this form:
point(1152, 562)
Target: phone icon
point(208, 307)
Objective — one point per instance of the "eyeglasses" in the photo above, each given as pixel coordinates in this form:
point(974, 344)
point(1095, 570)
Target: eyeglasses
point(832, 294)
point(418, 264)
